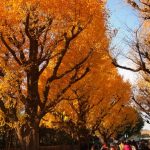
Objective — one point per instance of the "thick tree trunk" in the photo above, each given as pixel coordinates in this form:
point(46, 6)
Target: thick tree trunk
point(29, 140)
point(32, 140)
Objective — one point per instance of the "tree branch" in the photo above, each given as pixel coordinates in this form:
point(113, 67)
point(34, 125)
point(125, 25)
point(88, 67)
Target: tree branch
point(77, 66)
point(27, 26)
point(2, 106)
point(142, 108)
point(10, 49)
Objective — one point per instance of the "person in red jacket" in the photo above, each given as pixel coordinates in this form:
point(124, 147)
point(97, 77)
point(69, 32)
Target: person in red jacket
point(127, 146)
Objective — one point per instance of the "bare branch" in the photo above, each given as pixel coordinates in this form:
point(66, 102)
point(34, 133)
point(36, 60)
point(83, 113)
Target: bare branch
point(124, 67)
point(145, 3)
point(141, 107)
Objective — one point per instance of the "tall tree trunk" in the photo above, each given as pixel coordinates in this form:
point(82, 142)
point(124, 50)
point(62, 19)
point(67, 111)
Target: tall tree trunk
point(32, 140)
point(28, 138)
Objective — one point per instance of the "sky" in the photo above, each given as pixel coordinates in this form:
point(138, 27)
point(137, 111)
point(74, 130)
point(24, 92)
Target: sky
point(124, 20)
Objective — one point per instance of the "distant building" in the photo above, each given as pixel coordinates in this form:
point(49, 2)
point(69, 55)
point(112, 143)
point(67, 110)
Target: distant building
point(145, 132)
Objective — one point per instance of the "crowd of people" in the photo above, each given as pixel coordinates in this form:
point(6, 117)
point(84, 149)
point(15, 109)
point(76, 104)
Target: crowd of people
point(125, 145)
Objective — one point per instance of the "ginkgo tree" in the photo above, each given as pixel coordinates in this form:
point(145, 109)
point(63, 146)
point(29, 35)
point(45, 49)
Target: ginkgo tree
point(83, 116)
point(44, 48)
point(93, 101)
point(128, 122)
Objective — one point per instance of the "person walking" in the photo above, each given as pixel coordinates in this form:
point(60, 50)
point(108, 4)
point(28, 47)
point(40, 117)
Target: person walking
point(127, 146)
point(104, 147)
point(113, 147)
point(93, 147)
point(121, 145)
